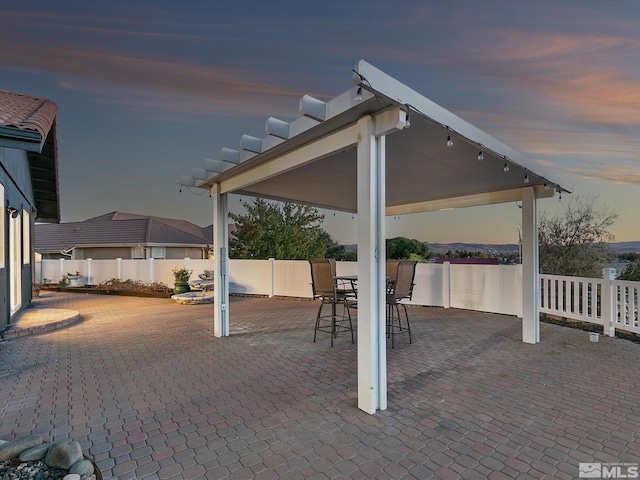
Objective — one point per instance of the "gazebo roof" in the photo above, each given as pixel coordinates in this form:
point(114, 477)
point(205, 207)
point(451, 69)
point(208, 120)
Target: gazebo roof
point(312, 160)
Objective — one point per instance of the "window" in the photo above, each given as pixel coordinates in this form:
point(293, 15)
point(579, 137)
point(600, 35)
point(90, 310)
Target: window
point(26, 238)
point(158, 252)
point(137, 253)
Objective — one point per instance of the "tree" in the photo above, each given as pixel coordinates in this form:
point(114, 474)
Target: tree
point(285, 231)
point(575, 243)
point(401, 248)
point(334, 250)
point(631, 273)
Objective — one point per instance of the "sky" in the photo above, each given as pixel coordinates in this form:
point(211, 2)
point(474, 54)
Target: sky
point(146, 90)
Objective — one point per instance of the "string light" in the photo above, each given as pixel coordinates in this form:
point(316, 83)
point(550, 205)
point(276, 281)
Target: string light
point(546, 186)
point(358, 96)
point(480, 156)
point(407, 121)
point(526, 176)
point(506, 166)
point(449, 141)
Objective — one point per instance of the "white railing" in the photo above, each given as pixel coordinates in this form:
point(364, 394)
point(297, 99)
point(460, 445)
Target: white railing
point(486, 288)
point(610, 303)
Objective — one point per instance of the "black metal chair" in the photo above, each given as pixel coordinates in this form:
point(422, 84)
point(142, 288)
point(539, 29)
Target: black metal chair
point(325, 287)
point(399, 290)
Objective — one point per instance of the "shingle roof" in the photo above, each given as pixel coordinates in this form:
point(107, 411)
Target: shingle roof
point(118, 228)
point(29, 123)
point(27, 112)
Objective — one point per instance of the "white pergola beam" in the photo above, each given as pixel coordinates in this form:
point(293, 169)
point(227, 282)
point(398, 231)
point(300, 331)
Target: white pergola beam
point(310, 152)
point(313, 108)
point(199, 173)
point(187, 181)
point(214, 166)
point(487, 198)
point(277, 128)
point(388, 86)
point(251, 144)
point(229, 155)
point(390, 121)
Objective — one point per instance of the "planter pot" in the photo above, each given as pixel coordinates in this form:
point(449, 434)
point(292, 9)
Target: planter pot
point(179, 288)
point(35, 293)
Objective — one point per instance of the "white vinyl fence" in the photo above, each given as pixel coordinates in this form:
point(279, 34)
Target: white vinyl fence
point(486, 288)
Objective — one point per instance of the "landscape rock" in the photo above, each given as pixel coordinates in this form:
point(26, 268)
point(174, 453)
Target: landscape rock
point(63, 454)
point(13, 449)
point(72, 476)
point(82, 468)
point(34, 453)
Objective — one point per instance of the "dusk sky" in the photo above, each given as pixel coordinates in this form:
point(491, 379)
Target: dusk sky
point(146, 90)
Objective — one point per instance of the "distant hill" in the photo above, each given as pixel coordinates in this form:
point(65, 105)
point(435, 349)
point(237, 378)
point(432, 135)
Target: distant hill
point(625, 247)
point(496, 249)
point(489, 248)
point(616, 247)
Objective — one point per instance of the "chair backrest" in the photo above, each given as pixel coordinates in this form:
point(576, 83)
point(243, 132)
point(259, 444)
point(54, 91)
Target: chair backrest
point(392, 270)
point(404, 281)
point(322, 278)
point(332, 262)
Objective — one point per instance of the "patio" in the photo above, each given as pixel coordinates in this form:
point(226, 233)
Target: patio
point(149, 393)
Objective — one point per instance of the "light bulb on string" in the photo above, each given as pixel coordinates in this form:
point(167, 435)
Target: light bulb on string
point(480, 156)
point(506, 167)
point(449, 141)
point(358, 96)
point(526, 176)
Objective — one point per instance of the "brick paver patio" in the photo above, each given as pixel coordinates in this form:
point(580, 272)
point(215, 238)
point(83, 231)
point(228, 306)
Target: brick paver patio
point(149, 393)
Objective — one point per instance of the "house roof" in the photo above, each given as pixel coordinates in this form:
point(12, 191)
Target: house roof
point(120, 229)
point(29, 123)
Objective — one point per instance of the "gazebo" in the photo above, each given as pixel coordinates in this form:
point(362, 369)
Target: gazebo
point(378, 149)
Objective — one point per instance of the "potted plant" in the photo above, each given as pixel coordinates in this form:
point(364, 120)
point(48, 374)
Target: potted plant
point(35, 289)
point(73, 278)
point(181, 276)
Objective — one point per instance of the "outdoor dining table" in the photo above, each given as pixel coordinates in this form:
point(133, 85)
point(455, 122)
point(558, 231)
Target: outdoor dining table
point(353, 280)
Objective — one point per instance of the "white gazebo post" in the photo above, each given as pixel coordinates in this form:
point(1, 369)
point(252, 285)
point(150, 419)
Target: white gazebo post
point(372, 360)
point(530, 278)
point(221, 263)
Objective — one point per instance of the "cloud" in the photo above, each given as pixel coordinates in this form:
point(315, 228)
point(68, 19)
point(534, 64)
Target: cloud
point(120, 77)
point(604, 172)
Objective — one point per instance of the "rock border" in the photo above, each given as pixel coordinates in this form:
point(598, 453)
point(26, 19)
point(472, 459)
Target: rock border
point(31, 455)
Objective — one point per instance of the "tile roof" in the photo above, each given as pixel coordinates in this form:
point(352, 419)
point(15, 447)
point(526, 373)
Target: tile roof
point(118, 228)
point(27, 112)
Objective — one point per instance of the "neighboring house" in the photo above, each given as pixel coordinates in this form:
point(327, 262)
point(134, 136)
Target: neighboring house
point(28, 191)
point(123, 235)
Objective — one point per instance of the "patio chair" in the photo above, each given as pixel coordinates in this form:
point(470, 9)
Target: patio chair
point(397, 291)
point(325, 288)
point(392, 270)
